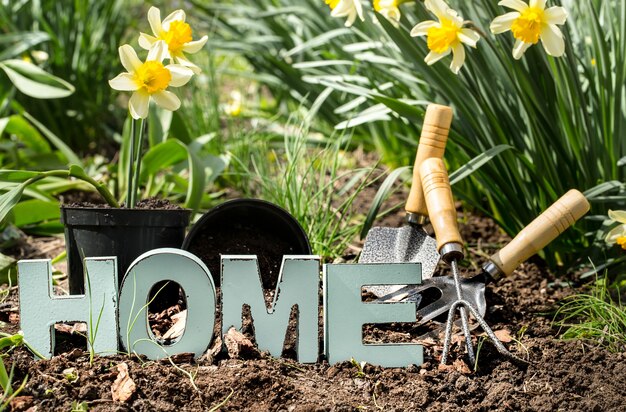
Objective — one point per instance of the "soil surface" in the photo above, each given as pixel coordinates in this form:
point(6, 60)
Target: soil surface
point(152, 203)
point(561, 375)
point(247, 229)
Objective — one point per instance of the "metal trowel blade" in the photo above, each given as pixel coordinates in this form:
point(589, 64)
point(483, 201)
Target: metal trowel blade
point(400, 245)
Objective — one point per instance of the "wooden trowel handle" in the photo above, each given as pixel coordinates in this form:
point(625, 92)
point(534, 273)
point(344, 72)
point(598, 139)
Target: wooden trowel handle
point(544, 229)
point(440, 202)
point(432, 143)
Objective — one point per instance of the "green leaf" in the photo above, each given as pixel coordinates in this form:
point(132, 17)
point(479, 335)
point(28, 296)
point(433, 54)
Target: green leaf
point(381, 195)
point(20, 42)
point(78, 172)
point(403, 109)
point(172, 152)
point(35, 82)
point(30, 212)
point(16, 176)
point(27, 134)
point(50, 228)
point(8, 269)
point(10, 199)
point(179, 130)
point(602, 188)
point(159, 123)
point(162, 156)
point(476, 163)
point(72, 158)
point(3, 124)
point(320, 40)
point(196, 182)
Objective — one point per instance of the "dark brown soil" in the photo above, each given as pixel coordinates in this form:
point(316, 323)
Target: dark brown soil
point(245, 234)
point(152, 203)
point(562, 375)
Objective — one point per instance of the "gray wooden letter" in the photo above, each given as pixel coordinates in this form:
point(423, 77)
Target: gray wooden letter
point(40, 309)
point(298, 284)
point(345, 313)
point(193, 276)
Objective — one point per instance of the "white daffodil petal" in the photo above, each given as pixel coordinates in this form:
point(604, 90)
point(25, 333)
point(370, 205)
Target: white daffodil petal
point(154, 18)
point(438, 7)
point(146, 41)
point(129, 58)
point(195, 46)
point(503, 23)
point(183, 61)
point(178, 15)
point(518, 5)
point(158, 51)
point(167, 100)
point(555, 15)
point(421, 29)
point(618, 215)
point(124, 82)
point(541, 4)
point(359, 9)
point(432, 57)
point(452, 15)
point(469, 37)
point(180, 74)
point(458, 58)
point(615, 233)
point(519, 48)
point(139, 104)
point(552, 40)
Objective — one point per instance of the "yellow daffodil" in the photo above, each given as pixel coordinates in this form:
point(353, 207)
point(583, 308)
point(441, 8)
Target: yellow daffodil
point(346, 8)
point(617, 234)
point(150, 79)
point(389, 9)
point(446, 35)
point(176, 34)
point(530, 23)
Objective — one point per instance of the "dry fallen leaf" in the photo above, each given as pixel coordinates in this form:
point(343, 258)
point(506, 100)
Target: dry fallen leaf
point(21, 403)
point(238, 345)
point(458, 365)
point(79, 327)
point(123, 387)
point(504, 335)
point(178, 327)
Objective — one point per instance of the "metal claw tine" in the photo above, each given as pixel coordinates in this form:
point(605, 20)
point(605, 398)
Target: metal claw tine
point(483, 324)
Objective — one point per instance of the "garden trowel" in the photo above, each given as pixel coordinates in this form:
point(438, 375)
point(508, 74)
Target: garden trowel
point(437, 294)
point(411, 243)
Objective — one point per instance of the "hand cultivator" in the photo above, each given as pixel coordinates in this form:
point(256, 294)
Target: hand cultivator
point(469, 294)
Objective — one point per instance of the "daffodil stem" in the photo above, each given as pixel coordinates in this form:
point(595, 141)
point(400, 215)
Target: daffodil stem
point(137, 160)
point(131, 158)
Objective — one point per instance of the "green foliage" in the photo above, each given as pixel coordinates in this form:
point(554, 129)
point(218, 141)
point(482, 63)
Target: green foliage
point(311, 179)
point(80, 41)
point(562, 116)
point(598, 315)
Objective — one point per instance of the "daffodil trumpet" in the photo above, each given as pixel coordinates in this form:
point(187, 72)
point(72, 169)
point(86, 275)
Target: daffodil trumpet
point(531, 22)
point(446, 35)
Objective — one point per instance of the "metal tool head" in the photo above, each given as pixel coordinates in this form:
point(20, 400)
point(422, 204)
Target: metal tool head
point(436, 295)
point(400, 245)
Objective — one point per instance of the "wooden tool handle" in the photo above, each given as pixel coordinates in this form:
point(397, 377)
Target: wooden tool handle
point(440, 202)
point(544, 229)
point(432, 143)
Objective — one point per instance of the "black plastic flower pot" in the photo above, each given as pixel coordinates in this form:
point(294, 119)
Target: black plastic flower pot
point(247, 227)
point(124, 233)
